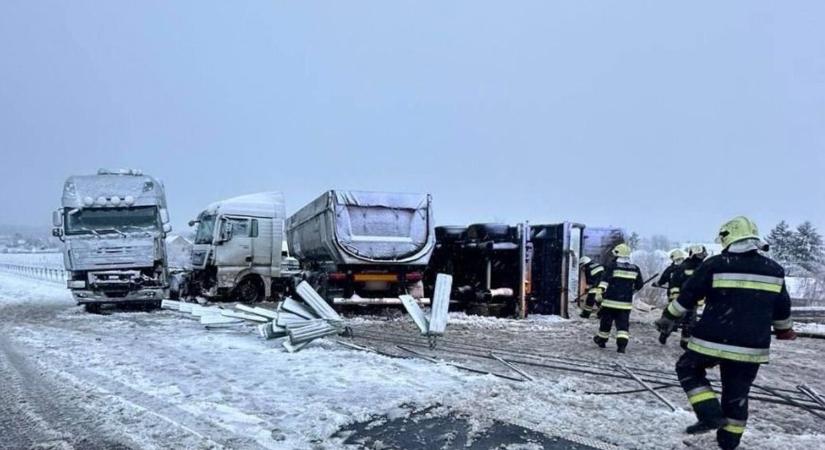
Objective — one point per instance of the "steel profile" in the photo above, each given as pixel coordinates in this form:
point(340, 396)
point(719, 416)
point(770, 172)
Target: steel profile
point(441, 304)
point(415, 312)
point(316, 302)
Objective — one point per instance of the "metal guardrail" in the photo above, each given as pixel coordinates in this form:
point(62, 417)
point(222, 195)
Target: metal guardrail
point(37, 272)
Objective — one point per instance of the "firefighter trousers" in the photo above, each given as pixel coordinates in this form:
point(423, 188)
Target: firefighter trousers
point(732, 413)
point(621, 318)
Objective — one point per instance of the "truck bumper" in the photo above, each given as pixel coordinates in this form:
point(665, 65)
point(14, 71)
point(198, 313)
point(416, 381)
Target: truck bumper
point(83, 296)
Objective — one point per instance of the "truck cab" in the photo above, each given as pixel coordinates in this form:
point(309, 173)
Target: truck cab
point(237, 250)
point(113, 227)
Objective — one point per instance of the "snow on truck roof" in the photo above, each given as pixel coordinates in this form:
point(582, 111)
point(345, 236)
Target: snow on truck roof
point(89, 190)
point(261, 204)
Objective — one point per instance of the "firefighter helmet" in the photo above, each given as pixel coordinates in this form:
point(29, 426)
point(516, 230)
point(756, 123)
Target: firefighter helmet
point(677, 256)
point(697, 249)
point(584, 260)
point(621, 251)
point(737, 229)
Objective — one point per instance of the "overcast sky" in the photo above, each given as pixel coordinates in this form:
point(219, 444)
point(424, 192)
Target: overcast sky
point(661, 117)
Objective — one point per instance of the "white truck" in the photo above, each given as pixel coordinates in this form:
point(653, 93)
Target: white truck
point(238, 250)
point(113, 226)
point(364, 248)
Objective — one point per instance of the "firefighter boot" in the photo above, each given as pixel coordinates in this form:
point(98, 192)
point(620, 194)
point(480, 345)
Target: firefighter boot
point(600, 341)
point(707, 425)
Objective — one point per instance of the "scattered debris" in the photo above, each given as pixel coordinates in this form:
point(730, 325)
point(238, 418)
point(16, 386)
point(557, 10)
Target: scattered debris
point(437, 322)
point(647, 387)
point(512, 367)
point(299, 323)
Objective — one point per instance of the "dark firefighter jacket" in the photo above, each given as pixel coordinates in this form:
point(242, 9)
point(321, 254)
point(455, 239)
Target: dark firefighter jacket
point(593, 273)
point(620, 281)
point(681, 274)
point(667, 280)
point(745, 295)
point(664, 280)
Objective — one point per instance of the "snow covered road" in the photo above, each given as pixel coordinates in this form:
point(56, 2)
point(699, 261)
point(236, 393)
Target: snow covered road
point(159, 380)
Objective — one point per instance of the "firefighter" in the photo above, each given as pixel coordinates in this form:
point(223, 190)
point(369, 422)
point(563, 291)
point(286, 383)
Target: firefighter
point(593, 273)
point(696, 255)
point(620, 281)
point(745, 296)
point(677, 257)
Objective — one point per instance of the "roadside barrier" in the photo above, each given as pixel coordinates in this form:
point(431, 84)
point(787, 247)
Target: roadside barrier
point(36, 272)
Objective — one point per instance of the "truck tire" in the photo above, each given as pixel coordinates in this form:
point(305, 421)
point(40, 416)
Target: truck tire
point(92, 308)
point(249, 290)
point(450, 233)
point(489, 232)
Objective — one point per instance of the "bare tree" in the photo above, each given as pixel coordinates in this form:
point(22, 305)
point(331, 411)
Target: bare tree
point(651, 262)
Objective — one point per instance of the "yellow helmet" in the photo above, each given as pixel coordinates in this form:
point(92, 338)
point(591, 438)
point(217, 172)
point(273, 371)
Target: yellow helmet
point(737, 229)
point(677, 255)
point(621, 251)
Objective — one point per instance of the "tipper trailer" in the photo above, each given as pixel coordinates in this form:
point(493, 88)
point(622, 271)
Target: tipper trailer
point(363, 248)
point(113, 227)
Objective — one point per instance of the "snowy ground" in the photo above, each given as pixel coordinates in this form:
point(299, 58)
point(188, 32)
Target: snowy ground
point(159, 380)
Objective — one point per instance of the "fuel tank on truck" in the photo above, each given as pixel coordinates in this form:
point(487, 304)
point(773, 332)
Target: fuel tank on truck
point(363, 228)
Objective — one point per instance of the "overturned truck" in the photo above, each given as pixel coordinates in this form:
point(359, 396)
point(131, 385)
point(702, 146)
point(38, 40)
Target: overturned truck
point(363, 248)
point(510, 270)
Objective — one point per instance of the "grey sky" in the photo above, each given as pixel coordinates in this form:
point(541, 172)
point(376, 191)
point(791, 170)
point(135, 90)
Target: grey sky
point(657, 116)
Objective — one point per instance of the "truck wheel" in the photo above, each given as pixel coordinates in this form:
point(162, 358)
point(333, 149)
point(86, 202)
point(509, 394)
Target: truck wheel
point(249, 290)
point(92, 308)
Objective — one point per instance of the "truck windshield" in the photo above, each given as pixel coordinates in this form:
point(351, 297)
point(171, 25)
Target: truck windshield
point(206, 229)
point(112, 220)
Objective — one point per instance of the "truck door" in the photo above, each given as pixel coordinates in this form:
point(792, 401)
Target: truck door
point(234, 250)
point(573, 254)
point(260, 232)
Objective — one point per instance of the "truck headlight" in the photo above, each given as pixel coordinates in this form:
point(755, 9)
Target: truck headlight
point(76, 284)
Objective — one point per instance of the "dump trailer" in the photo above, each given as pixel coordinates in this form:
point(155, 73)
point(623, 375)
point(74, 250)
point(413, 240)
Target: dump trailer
point(113, 227)
point(363, 248)
point(238, 252)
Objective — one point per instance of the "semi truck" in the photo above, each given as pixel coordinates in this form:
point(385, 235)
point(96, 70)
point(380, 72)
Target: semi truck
point(113, 227)
point(238, 251)
point(363, 248)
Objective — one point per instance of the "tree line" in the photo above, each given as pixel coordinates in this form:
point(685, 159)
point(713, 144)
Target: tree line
point(799, 249)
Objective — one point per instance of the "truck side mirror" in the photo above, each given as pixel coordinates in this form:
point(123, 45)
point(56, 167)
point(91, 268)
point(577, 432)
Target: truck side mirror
point(164, 215)
point(57, 218)
point(167, 228)
point(57, 232)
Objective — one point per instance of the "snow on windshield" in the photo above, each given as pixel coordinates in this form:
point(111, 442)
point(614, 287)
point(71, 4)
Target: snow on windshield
point(112, 220)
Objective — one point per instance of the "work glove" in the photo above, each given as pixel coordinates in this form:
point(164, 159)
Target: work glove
point(786, 335)
point(665, 326)
point(599, 296)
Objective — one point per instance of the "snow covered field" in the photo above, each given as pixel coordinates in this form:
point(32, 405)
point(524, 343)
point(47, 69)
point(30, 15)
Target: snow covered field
point(48, 260)
point(160, 380)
